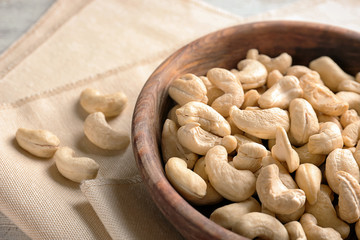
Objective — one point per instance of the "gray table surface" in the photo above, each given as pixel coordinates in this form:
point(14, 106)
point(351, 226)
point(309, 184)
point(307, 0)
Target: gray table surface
point(17, 16)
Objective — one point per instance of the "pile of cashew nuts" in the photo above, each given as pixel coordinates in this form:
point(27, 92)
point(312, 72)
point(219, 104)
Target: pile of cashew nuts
point(280, 141)
point(44, 144)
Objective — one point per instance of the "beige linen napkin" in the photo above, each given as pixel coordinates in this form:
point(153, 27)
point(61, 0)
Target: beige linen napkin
point(110, 45)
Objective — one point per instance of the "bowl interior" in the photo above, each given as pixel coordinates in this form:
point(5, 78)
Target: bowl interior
point(303, 41)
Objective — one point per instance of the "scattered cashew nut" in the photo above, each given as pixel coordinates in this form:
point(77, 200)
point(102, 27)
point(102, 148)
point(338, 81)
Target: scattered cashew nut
point(75, 168)
point(315, 232)
point(111, 105)
point(308, 178)
point(41, 143)
point(100, 133)
point(251, 74)
point(328, 139)
point(295, 230)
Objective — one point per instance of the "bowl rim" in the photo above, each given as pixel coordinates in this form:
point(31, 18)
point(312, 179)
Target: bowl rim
point(143, 133)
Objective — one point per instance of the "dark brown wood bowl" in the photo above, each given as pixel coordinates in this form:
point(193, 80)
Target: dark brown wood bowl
point(304, 41)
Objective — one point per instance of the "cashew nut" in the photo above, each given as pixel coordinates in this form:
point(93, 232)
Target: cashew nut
point(326, 118)
point(353, 99)
point(331, 74)
point(351, 134)
point(349, 197)
point(349, 85)
point(324, 212)
point(227, 82)
point(212, 91)
point(249, 156)
point(209, 119)
point(251, 99)
point(171, 146)
point(185, 181)
point(328, 139)
point(308, 178)
point(275, 195)
point(348, 117)
point(295, 230)
point(260, 225)
point(235, 185)
point(285, 218)
point(99, 132)
point(322, 98)
point(304, 121)
point(283, 150)
point(284, 174)
point(299, 70)
point(315, 232)
point(188, 88)
point(260, 123)
point(251, 74)
point(212, 196)
point(307, 157)
point(273, 77)
point(40, 143)
point(281, 93)
point(110, 105)
point(228, 215)
point(281, 62)
point(75, 168)
point(172, 114)
point(340, 160)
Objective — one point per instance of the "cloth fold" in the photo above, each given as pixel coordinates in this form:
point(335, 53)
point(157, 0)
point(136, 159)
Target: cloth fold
point(111, 45)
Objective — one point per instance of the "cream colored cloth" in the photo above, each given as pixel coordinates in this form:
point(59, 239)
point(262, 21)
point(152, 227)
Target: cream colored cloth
point(110, 45)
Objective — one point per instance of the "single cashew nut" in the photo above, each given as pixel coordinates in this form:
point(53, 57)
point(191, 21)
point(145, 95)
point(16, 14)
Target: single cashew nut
point(328, 139)
point(281, 62)
point(40, 143)
point(260, 123)
point(232, 184)
point(281, 93)
point(188, 88)
point(349, 197)
point(260, 225)
point(273, 77)
point(307, 157)
point(303, 121)
point(252, 53)
point(99, 132)
point(209, 119)
point(227, 82)
point(325, 214)
point(171, 146)
point(285, 218)
point(283, 150)
point(251, 99)
point(340, 160)
point(249, 156)
point(110, 105)
point(172, 114)
point(308, 178)
point(185, 181)
point(228, 215)
point(353, 99)
point(251, 74)
point(351, 134)
point(315, 232)
point(295, 230)
point(284, 174)
point(348, 117)
point(75, 168)
point(212, 91)
point(330, 72)
point(349, 85)
point(322, 98)
point(275, 195)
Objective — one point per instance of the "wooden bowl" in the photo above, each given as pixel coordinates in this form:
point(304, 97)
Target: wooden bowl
point(304, 41)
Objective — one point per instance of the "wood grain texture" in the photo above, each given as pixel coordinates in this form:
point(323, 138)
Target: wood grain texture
point(303, 41)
